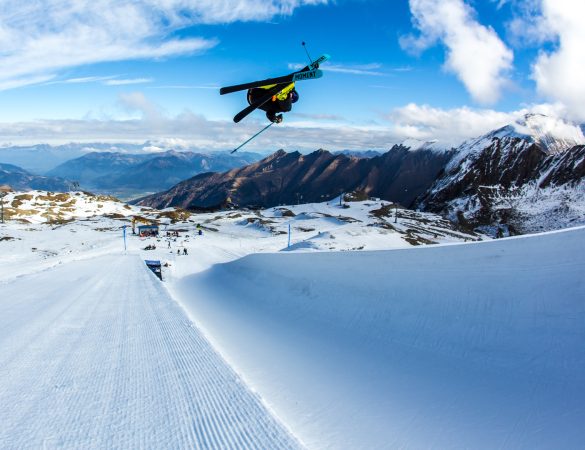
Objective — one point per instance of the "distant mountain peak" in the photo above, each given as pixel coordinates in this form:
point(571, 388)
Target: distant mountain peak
point(552, 134)
point(417, 144)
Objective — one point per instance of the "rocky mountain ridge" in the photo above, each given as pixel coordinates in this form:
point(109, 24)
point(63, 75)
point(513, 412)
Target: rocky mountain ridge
point(288, 178)
point(468, 184)
point(491, 171)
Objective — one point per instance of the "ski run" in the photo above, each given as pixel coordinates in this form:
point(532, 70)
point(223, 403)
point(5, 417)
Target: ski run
point(95, 354)
point(349, 338)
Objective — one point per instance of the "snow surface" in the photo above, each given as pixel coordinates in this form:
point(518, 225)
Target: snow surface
point(474, 345)
point(461, 346)
point(95, 354)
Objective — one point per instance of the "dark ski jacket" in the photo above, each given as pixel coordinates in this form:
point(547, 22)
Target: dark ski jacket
point(275, 105)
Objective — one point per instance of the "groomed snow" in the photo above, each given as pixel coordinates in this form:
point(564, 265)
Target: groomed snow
point(457, 346)
point(95, 354)
point(476, 345)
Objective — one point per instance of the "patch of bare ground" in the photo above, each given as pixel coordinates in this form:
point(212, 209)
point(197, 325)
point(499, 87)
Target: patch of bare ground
point(286, 212)
point(356, 196)
point(116, 216)
point(176, 215)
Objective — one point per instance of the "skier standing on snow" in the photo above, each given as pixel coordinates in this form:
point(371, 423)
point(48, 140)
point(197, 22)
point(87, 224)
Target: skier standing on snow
point(279, 103)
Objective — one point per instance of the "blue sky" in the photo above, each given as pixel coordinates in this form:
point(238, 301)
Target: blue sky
point(150, 70)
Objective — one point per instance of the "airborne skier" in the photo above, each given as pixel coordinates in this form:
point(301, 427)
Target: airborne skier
point(275, 96)
point(280, 103)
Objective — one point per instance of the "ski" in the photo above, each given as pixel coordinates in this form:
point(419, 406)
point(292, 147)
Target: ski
point(307, 73)
point(286, 79)
point(257, 104)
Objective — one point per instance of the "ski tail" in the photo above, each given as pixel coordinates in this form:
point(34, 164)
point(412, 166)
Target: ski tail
point(254, 84)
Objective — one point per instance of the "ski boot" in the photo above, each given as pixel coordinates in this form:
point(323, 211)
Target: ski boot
point(274, 118)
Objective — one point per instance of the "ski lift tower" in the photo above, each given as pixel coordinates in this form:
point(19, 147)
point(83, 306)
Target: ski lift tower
point(2, 195)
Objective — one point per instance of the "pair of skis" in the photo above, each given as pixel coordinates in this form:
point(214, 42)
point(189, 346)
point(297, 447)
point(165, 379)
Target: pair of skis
point(278, 84)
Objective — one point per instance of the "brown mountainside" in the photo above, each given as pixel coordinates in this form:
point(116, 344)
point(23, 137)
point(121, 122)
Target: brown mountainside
point(285, 178)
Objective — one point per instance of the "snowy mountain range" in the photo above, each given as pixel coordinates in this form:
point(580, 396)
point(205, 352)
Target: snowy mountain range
point(19, 179)
point(57, 160)
point(473, 184)
point(116, 172)
point(526, 176)
point(503, 177)
point(41, 158)
point(287, 178)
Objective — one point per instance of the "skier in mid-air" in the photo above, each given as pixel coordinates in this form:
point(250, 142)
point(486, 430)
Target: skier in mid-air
point(280, 103)
point(275, 96)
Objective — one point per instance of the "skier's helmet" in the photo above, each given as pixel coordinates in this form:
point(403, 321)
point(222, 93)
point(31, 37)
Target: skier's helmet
point(294, 96)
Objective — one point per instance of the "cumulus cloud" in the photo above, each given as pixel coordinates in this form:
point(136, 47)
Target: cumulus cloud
point(149, 122)
point(123, 82)
point(137, 102)
point(559, 74)
point(449, 126)
point(475, 53)
point(196, 131)
point(421, 122)
point(39, 38)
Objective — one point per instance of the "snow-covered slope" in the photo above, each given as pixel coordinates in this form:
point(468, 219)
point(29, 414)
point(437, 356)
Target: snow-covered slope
point(551, 134)
point(95, 354)
point(475, 345)
point(464, 346)
point(537, 153)
point(59, 207)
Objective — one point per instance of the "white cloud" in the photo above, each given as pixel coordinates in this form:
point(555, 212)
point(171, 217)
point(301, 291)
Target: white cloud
point(137, 102)
point(449, 126)
point(527, 26)
point(353, 69)
point(87, 79)
point(559, 73)
point(363, 69)
point(39, 38)
point(123, 82)
point(149, 121)
point(475, 53)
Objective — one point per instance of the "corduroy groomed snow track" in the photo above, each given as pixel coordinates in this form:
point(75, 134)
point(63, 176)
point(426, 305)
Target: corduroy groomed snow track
point(94, 360)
